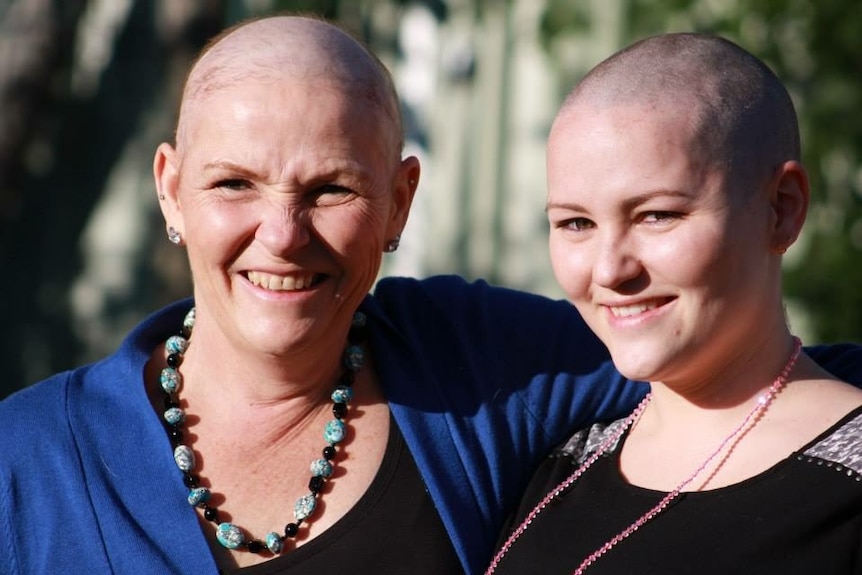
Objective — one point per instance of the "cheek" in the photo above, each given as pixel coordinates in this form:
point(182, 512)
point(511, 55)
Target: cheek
point(571, 267)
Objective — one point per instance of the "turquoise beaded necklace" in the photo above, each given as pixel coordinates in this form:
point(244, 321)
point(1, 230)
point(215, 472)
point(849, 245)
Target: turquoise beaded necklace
point(228, 534)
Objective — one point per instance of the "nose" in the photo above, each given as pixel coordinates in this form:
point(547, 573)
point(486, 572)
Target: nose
point(617, 261)
point(283, 229)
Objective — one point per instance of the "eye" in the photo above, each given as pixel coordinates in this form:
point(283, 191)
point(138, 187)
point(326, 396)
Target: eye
point(330, 194)
point(575, 224)
point(235, 184)
point(660, 217)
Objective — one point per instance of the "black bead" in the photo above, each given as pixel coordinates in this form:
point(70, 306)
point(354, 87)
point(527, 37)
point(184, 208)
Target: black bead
point(328, 452)
point(347, 378)
point(211, 514)
point(339, 410)
point(255, 546)
point(170, 402)
point(174, 359)
point(291, 529)
point(315, 484)
point(357, 334)
point(190, 480)
point(176, 435)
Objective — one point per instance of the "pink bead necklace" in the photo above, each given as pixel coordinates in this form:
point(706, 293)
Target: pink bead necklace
point(753, 416)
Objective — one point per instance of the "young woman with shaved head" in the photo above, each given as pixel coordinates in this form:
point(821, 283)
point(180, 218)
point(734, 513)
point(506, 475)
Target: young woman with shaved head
point(674, 188)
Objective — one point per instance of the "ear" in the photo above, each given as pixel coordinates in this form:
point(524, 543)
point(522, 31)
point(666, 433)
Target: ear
point(789, 197)
point(166, 175)
point(406, 181)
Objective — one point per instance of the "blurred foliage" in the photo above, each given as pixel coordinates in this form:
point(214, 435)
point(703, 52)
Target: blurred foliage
point(816, 48)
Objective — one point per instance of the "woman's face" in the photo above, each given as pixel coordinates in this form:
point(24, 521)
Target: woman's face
point(665, 260)
point(285, 196)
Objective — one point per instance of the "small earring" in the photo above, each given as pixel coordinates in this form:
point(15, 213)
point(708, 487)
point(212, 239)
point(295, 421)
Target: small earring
point(392, 244)
point(174, 236)
point(161, 196)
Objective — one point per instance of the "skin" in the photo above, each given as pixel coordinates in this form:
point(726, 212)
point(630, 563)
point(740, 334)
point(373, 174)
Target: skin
point(669, 243)
point(286, 183)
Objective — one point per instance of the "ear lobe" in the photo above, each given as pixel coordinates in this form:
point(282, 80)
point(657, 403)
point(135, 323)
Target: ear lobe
point(166, 176)
point(789, 198)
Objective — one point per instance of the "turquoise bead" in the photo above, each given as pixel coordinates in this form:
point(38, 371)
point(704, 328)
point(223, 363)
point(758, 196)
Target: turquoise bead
point(185, 458)
point(177, 344)
point(354, 357)
point(321, 468)
point(170, 380)
point(359, 319)
point(198, 495)
point(189, 320)
point(342, 394)
point(334, 432)
point(230, 536)
point(175, 416)
point(304, 507)
point(274, 543)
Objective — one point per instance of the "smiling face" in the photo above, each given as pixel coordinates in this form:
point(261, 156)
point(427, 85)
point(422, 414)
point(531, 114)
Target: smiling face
point(285, 193)
point(665, 259)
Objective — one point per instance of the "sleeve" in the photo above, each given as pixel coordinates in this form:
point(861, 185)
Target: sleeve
point(483, 382)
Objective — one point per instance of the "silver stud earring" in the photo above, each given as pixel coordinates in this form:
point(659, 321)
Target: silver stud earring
point(392, 244)
point(174, 236)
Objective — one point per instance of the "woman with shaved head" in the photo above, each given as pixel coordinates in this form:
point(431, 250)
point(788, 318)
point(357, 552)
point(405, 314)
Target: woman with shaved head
point(674, 188)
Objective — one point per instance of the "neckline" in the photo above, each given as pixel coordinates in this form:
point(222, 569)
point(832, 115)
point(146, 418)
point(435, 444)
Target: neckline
point(612, 458)
point(395, 450)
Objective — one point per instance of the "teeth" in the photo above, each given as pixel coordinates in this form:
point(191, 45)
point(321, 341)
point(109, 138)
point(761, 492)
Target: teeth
point(280, 283)
point(629, 310)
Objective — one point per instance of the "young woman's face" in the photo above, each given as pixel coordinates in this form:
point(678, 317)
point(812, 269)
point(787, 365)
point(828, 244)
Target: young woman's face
point(662, 257)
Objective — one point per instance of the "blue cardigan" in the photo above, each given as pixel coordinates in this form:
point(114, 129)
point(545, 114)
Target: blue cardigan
point(482, 382)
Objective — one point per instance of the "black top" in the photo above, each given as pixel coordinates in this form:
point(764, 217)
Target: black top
point(392, 524)
point(803, 515)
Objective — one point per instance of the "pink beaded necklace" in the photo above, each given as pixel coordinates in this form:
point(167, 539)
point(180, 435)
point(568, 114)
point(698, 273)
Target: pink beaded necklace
point(759, 408)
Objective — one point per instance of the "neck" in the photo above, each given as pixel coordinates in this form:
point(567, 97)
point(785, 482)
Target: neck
point(215, 369)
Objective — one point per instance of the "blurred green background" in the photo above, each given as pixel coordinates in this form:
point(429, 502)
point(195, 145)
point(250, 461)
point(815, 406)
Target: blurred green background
point(88, 88)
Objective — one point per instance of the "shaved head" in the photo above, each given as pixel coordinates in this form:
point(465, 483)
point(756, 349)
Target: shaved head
point(742, 117)
point(291, 49)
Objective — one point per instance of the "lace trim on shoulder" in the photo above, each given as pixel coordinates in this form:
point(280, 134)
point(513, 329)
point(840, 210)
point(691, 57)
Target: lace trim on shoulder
point(587, 440)
point(841, 447)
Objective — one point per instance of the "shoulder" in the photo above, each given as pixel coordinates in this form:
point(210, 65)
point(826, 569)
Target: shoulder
point(47, 415)
point(841, 444)
point(843, 360)
point(586, 441)
point(450, 302)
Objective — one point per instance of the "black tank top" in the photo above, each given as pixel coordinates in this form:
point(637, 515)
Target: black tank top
point(393, 529)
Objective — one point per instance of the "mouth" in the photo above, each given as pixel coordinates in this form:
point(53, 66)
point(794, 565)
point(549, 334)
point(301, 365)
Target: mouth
point(290, 282)
point(636, 308)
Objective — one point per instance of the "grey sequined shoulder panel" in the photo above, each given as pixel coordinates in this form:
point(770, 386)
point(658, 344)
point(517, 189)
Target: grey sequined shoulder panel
point(842, 447)
point(588, 440)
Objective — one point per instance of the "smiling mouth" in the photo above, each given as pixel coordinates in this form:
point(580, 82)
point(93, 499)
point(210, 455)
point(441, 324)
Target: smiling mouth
point(292, 282)
point(635, 309)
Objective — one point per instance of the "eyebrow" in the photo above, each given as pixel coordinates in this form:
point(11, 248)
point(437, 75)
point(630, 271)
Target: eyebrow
point(628, 204)
point(349, 169)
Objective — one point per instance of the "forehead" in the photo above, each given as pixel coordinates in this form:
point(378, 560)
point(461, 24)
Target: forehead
point(624, 150)
point(279, 121)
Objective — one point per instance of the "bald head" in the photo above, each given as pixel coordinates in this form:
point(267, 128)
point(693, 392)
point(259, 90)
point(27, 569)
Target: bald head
point(741, 115)
point(291, 49)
